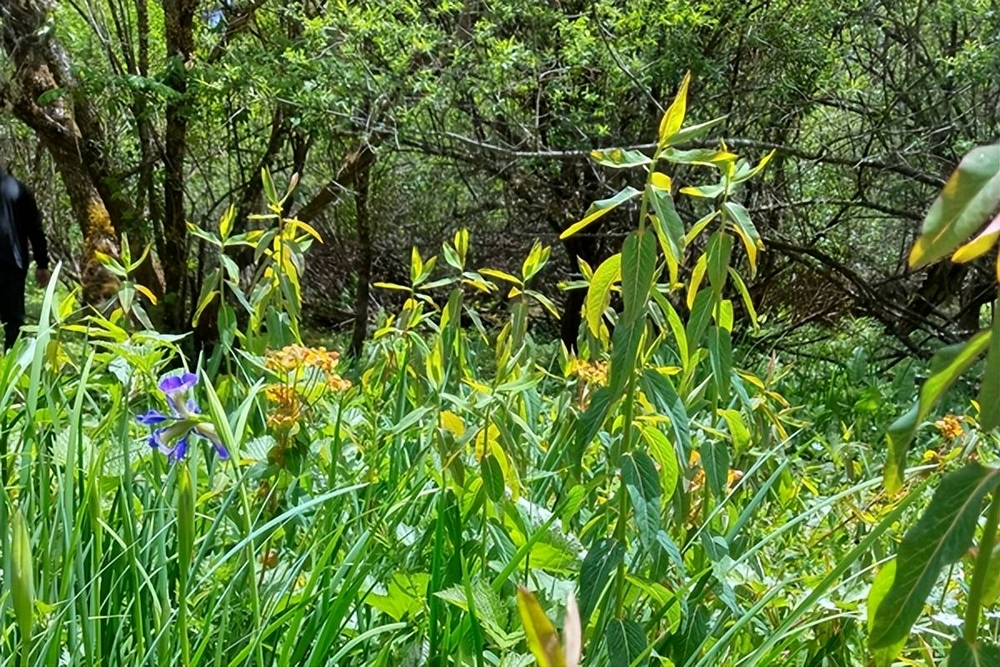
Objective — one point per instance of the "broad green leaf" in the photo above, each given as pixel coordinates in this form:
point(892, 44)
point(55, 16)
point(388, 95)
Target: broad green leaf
point(541, 635)
point(643, 484)
point(970, 195)
point(664, 455)
point(884, 657)
point(737, 429)
point(701, 315)
point(595, 574)
point(626, 642)
point(720, 248)
point(638, 264)
point(618, 158)
point(715, 459)
point(720, 348)
point(980, 245)
point(698, 227)
point(625, 344)
point(591, 421)
point(599, 208)
point(989, 390)
point(673, 119)
point(946, 367)
point(492, 477)
point(661, 392)
point(942, 535)
point(964, 654)
point(599, 292)
point(747, 232)
point(508, 471)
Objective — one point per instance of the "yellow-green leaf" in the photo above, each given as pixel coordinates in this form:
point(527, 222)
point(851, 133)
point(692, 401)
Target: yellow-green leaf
point(697, 275)
point(541, 634)
point(599, 292)
point(980, 245)
point(970, 195)
point(599, 208)
point(674, 117)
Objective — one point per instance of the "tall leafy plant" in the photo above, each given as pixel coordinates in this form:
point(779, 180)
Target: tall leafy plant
point(947, 529)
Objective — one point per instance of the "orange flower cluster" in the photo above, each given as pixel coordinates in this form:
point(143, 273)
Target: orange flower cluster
point(292, 359)
point(949, 427)
point(289, 407)
point(591, 372)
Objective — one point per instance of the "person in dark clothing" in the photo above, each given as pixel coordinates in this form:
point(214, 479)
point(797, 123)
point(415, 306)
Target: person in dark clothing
point(20, 223)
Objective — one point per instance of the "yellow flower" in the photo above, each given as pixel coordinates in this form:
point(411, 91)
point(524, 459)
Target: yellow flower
point(590, 372)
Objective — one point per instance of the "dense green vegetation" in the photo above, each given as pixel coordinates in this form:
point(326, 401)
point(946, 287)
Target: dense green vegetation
point(665, 367)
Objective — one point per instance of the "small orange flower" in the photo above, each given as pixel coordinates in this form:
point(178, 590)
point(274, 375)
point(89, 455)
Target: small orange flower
point(949, 427)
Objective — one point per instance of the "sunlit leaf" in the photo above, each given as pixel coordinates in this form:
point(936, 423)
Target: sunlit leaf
point(599, 208)
point(673, 119)
point(599, 292)
point(970, 195)
point(541, 635)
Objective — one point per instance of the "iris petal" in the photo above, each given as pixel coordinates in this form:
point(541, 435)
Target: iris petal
point(152, 418)
point(179, 451)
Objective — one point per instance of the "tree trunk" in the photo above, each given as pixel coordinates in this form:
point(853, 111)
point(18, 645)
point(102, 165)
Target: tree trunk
point(179, 30)
point(67, 127)
point(363, 266)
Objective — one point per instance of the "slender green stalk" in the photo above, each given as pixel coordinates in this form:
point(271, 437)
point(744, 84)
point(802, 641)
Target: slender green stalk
point(986, 544)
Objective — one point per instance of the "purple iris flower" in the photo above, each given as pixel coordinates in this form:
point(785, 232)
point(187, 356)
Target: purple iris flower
point(185, 419)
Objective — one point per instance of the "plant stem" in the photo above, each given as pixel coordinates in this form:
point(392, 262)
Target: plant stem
point(979, 575)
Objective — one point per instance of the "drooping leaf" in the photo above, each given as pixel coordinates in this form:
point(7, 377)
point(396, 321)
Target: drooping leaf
point(747, 232)
point(964, 654)
point(942, 535)
point(946, 367)
point(638, 264)
point(541, 635)
point(971, 193)
point(626, 642)
point(884, 657)
point(599, 208)
point(643, 484)
point(595, 574)
point(599, 292)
